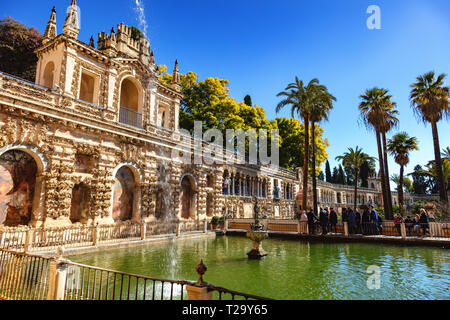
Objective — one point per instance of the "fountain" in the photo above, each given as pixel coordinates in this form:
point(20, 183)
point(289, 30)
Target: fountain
point(257, 234)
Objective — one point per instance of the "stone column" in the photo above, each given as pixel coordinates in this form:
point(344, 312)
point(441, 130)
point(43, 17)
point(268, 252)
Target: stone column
point(57, 280)
point(403, 230)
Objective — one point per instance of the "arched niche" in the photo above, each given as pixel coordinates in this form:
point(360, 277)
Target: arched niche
point(130, 95)
point(18, 188)
point(187, 198)
point(49, 74)
point(126, 194)
point(80, 205)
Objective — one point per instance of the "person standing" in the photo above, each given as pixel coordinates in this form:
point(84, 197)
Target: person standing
point(374, 220)
point(424, 221)
point(351, 221)
point(398, 222)
point(312, 218)
point(365, 221)
point(324, 221)
point(358, 222)
point(333, 220)
point(344, 215)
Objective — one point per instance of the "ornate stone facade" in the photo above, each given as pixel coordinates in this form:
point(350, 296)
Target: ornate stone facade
point(94, 111)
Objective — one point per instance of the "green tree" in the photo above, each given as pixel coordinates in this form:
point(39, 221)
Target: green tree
point(430, 101)
point(341, 177)
point(399, 147)
point(335, 176)
point(292, 148)
point(407, 184)
point(378, 113)
point(328, 172)
point(367, 169)
point(17, 45)
point(248, 100)
point(321, 176)
point(420, 183)
point(355, 159)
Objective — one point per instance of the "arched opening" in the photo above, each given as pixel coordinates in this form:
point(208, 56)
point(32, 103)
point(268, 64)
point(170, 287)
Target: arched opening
point(123, 195)
point(49, 72)
point(187, 198)
point(81, 198)
point(130, 106)
point(129, 95)
point(18, 171)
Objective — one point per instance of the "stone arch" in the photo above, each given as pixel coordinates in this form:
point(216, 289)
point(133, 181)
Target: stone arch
point(21, 184)
point(188, 203)
point(80, 204)
point(126, 195)
point(131, 94)
point(49, 75)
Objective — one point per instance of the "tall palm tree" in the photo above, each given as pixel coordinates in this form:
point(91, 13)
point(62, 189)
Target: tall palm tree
point(320, 110)
point(430, 101)
point(300, 98)
point(355, 159)
point(399, 147)
point(446, 153)
point(378, 113)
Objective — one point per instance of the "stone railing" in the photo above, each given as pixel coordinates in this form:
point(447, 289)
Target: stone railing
point(48, 239)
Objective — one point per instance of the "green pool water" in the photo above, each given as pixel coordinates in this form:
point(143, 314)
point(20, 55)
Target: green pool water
point(293, 270)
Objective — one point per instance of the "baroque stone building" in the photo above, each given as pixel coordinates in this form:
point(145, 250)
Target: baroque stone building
point(92, 141)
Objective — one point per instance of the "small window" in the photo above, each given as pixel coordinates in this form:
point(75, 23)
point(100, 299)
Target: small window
point(87, 88)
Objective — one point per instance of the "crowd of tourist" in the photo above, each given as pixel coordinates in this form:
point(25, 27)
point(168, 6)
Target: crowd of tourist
point(366, 222)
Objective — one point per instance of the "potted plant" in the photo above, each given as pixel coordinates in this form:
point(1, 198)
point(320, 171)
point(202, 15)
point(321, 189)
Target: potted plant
point(222, 222)
point(214, 222)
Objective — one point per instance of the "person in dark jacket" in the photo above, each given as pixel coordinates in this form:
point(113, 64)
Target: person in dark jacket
point(365, 221)
point(351, 221)
point(312, 218)
point(424, 222)
point(374, 220)
point(358, 222)
point(324, 221)
point(344, 215)
point(333, 220)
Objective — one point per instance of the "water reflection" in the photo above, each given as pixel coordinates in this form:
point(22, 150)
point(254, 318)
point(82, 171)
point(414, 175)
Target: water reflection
point(292, 270)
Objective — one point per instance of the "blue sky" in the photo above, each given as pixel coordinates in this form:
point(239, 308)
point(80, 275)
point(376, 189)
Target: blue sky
point(260, 46)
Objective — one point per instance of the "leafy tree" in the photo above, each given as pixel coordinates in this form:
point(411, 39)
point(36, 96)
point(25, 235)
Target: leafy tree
point(420, 180)
point(292, 148)
point(399, 147)
point(136, 34)
point(335, 176)
point(367, 169)
point(328, 176)
point(354, 159)
point(17, 45)
point(321, 176)
point(341, 178)
point(407, 184)
point(430, 101)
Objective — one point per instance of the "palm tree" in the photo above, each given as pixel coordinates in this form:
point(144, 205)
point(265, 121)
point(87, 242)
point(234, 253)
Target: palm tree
point(378, 113)
point(399, 147)
point(300, 98)
point(446, 153)
point(320, 110)
point(431, 171)
point(355, 159)
point(430, 101)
